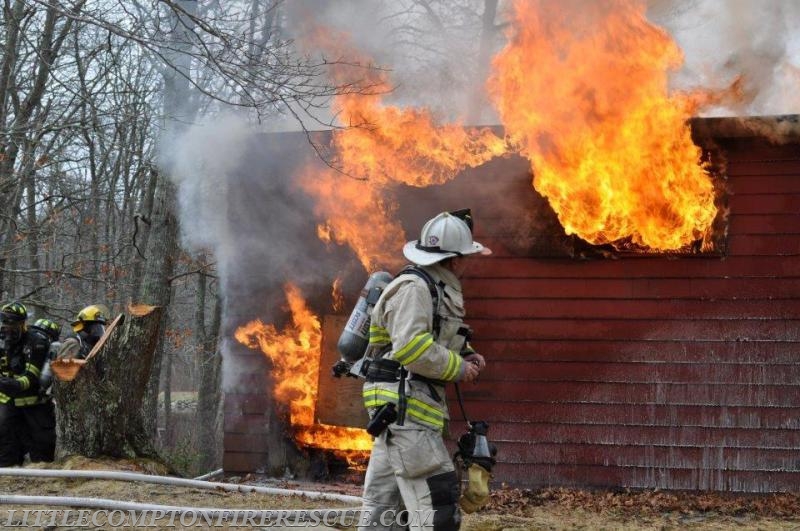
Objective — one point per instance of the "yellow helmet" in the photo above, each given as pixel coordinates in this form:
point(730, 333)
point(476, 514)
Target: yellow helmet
point(96, 313)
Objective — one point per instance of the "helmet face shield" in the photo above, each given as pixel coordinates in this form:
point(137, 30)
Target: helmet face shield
point(94, 331)
point(11, 330)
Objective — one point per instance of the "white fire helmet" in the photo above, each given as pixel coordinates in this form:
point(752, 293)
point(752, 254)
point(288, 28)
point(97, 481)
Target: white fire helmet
point(447, 235)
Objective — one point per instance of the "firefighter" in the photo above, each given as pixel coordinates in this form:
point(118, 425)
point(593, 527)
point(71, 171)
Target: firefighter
point(53, 331)
point(418, 344)
point(88, 327)
point(27, 422)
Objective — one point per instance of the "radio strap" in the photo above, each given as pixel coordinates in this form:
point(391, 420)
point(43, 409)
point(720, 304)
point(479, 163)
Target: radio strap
point(461, 404)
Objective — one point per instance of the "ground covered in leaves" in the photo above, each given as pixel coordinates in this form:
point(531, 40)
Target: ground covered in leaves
point(509, 509)
point(515, 509)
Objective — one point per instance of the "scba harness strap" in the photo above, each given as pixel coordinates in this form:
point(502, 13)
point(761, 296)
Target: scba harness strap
point(433, 287)
point(383, 370)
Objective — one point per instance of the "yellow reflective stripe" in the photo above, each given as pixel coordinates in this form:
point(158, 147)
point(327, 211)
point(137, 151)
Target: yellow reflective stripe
point(427, 408)
point(413, 357)
point(453, 366)
point(379, 341)
point(373, 393)
point(437, 422)
point(378, 397)
point(26, 400)
point(414, 348)
point(418, 409)
point(411, 346)
point(23, 381)
point(30, 367)
point(378, 334)
point(449, 368)
point(4, 398)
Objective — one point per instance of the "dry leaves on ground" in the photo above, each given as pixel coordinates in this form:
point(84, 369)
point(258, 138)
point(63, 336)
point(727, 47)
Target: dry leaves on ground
point(645, 503)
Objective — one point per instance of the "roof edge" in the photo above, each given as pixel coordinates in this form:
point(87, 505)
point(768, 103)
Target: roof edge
point(781, 129)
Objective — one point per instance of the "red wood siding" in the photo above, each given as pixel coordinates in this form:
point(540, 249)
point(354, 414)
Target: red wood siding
point(653, 372)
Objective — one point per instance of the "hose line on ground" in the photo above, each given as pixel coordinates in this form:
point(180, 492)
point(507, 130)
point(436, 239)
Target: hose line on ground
point(179, 482)
point(209, 475)
point(296, 515)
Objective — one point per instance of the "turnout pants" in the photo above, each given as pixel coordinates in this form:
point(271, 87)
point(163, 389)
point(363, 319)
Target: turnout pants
point(410, 481)
point(27, 430)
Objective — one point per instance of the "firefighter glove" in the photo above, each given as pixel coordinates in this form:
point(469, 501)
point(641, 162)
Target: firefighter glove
point(476, 492)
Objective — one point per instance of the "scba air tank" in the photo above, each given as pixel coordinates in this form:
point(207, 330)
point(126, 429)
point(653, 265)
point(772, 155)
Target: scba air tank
point(355, 337)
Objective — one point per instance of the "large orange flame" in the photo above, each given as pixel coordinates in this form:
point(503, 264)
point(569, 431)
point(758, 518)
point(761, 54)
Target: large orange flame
point(381, 146)
point(581, 87)
point(295, 354)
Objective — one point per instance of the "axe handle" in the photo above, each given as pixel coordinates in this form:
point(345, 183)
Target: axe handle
point(102, 340)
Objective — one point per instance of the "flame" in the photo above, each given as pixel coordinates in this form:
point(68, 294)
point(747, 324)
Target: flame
point(581, 88)
point(295, 354)
point(357, 215)
point(324, 232)
point(337, 295)
point(379, 147)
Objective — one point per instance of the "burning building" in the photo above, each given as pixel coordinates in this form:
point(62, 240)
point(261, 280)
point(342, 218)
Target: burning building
point(608, 365)
point(640, 312)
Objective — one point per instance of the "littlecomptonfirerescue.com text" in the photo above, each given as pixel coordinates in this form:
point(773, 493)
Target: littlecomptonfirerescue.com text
point(159, 519)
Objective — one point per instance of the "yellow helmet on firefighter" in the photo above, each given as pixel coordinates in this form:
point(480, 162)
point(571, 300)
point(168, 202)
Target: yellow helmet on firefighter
point(95, 313)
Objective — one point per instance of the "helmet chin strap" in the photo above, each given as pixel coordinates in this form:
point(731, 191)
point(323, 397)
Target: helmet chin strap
point(435, 249)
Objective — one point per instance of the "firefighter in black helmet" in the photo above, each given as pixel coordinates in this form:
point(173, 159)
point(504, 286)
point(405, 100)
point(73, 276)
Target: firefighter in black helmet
point(27, 420)
point(89, 326)
point(53, 331)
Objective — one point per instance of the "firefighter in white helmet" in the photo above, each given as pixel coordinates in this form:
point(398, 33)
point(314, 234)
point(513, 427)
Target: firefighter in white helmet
point(418, 344)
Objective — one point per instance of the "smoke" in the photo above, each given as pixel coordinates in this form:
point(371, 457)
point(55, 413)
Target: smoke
point(205, 159)
point(235, 189)
point(431, 49)
point(722, 41)
point(238, 200)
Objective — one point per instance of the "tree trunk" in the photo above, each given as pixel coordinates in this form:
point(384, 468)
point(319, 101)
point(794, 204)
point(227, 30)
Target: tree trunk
point(162, 248)
point(159, 266)
point(209, 396)
point(99, 412)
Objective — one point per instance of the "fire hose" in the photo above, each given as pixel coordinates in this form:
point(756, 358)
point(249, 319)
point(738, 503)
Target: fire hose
point(203, 512)
point(209, 475)
point(179, 482)
point(298, 515)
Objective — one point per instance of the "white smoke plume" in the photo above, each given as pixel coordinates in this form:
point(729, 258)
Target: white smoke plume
point(205, 157)
point(723, 40)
